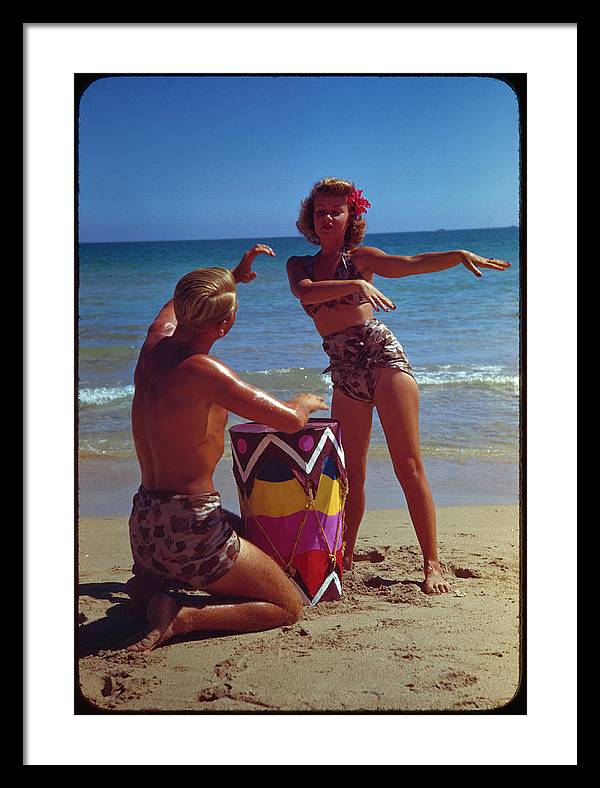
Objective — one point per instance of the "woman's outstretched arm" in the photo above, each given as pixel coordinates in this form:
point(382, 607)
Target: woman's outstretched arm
point(372, 260)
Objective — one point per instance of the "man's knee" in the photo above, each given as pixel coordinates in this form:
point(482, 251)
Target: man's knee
point(294, 608)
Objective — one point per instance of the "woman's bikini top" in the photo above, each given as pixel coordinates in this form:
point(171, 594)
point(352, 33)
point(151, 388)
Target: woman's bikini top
point(345, 270)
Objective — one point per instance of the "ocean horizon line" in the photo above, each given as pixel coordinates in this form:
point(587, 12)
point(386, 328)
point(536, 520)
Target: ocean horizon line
point(300, 237)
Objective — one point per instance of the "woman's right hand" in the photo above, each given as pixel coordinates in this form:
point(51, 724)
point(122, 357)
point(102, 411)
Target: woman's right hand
point(374, 296)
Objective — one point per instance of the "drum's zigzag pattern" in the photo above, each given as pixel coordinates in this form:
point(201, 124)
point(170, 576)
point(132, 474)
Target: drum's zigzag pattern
point(331, 578)
point(292, 490)
point(305, 465)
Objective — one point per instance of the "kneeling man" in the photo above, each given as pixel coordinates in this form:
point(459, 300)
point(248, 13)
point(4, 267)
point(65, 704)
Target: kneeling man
point(181, 537)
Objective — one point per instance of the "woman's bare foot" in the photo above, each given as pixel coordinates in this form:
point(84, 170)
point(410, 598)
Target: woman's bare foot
point(161, 613)
point(434, 580)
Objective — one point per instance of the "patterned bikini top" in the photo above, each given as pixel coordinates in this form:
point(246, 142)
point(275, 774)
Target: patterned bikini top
point(345, 270)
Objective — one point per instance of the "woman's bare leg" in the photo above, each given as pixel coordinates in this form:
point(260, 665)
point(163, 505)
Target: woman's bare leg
point(397, 403)
point(261, 596)
point(357, 418)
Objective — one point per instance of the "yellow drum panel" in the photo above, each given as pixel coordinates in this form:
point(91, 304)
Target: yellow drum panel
point(282, 499)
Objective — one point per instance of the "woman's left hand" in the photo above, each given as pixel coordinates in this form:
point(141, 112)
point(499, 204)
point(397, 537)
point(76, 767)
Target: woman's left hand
point(473, 262)
point(243, 271)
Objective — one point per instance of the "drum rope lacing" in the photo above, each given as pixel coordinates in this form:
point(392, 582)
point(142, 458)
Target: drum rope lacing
point(286, 565)
point(310, 505)
point(340, 523)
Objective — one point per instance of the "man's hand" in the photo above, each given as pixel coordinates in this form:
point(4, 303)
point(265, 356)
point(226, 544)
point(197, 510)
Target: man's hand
point(243, 271)
point(305, 404)
point(313, 402)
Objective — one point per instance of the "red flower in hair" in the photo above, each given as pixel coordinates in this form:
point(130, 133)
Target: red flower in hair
point(357, 202)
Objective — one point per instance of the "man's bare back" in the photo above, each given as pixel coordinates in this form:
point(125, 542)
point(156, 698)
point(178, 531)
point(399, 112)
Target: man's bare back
point(181, 404)
point(178, 432)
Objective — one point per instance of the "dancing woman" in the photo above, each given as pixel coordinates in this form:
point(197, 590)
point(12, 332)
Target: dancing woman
point(367, 363)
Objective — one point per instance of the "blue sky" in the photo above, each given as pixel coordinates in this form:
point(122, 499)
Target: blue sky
point(183, 158)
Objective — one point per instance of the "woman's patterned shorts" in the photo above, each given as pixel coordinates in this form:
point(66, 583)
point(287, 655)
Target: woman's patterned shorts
point(359, 353)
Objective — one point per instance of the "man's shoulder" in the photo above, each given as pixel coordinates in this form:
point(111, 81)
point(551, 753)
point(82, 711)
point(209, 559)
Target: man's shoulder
point(202, 362)
point(208, 367)
point(208, 378)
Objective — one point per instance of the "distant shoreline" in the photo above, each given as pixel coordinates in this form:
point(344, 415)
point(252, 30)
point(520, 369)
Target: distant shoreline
point(299, 237)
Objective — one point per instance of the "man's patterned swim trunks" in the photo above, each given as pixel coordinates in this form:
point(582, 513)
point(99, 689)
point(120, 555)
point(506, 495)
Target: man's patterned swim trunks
point(181, 541)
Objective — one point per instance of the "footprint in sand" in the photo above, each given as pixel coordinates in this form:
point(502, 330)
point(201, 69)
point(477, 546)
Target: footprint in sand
point(466, 704)
point(210, 694)
point(463, 572)
point(376, 581)
point(375, 556)
point(112, 685)
point(452, 680)
point(122, 686)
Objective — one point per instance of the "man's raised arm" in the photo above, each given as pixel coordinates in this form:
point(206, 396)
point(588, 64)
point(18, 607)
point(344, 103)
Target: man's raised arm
point(162, 326)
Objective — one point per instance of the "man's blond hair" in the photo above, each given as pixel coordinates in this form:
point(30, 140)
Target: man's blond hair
point(205, 297)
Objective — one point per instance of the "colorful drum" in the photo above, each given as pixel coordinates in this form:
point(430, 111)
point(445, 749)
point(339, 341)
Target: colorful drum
point(292, 490)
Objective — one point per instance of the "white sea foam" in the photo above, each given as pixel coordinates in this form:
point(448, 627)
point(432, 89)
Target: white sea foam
point(451, 375)
point(442, 375)
point(104, 395)
point(283, 371)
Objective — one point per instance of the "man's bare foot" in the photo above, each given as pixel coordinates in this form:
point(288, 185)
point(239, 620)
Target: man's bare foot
point(140, 590)
point(347, 563)
point(434, 580)
point(162, 612)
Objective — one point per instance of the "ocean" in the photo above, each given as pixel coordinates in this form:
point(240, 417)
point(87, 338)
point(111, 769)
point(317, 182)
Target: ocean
point(460, 333)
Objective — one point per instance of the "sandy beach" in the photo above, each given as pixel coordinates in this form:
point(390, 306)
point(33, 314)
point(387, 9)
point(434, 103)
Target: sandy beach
point(383, 647)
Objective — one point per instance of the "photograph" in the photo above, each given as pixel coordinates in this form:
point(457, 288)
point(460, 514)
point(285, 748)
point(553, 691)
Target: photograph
point(295, 296)
point(300, 318)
